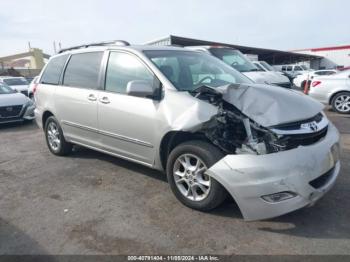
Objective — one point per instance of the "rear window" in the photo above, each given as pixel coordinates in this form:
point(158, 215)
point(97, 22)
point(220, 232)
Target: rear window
point(53, 70)
point(83, 70)
point(16, 81)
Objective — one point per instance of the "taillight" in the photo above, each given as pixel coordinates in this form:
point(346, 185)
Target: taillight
point(35, 88)
point(315, 83)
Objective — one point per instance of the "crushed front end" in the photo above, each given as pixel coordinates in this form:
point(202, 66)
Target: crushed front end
point(273, 170)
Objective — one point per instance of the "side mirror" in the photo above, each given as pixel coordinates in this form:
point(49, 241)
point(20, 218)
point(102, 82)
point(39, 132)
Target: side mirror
point(139, 88)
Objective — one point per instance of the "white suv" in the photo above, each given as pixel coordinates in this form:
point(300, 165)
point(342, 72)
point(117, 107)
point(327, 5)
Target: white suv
point(208, 126)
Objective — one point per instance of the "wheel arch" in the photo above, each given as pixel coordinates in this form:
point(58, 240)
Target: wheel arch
point(45, 116)
point(337, 92)
point(174, 138)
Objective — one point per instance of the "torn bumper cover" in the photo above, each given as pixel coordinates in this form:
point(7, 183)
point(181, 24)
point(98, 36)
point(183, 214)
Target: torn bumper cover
point(271, 185)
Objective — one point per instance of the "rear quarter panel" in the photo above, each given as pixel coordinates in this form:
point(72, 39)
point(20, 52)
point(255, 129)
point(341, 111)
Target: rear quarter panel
point(328, 88)
point(44, 99)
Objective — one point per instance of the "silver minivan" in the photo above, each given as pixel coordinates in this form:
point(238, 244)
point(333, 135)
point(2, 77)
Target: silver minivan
point(211, 129)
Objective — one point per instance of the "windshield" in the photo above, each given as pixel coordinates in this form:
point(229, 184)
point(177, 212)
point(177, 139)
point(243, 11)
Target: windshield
point(15, 81)
point(5, 90)
point(234, 58)
point(188, 70)
point(260, 67)
point(267, 66)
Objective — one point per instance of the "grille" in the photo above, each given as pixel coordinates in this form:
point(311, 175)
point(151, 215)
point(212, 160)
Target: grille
point(322, 180)
point(10, 111)
point(297, 125)
point(293, 141)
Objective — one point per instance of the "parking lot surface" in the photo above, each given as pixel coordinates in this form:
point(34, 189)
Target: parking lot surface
point(91, 203)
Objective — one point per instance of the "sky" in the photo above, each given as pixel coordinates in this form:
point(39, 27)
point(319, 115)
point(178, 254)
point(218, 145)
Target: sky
point(276, 24)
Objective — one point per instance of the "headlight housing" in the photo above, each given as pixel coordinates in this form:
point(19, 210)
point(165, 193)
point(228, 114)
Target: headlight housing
point(29, 103)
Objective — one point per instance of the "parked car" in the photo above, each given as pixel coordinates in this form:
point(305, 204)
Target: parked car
point(300, 80)
point(333, 90)
point(210, 128)
point(267, 67)
point(279, 76)
point(241, 63)
point(14, 106)
point(292, 70)
point(32, 87)
point(19, 84)
point(29, 78)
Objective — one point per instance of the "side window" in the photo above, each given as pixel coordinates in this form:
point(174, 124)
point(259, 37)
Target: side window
point(53, 70)
point(83, 70)
point(283, 68)
point(123, 68)
point(289, 68)
point(297, 68)
point(169, 66)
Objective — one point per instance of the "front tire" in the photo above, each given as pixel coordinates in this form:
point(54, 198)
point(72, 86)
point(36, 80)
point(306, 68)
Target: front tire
point(55, 139)
point(341, 103)
point(185, 170)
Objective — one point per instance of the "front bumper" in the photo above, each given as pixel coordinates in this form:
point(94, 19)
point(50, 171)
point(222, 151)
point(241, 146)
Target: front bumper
point(29, 113)
point(26, 113)
point(249, 177)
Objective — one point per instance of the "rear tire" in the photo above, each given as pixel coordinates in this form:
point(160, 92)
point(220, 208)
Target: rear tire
point(190, 185)
point(341, 103)
point(55, 138)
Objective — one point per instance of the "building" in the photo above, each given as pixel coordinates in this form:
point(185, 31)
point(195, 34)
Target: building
point(332, 57)
point(26, 64)
point(272, 56)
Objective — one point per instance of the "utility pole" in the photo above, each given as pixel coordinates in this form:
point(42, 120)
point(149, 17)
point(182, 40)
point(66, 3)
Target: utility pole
point(29, 45)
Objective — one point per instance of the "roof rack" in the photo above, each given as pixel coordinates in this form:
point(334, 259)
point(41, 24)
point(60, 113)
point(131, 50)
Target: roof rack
point(113, 42)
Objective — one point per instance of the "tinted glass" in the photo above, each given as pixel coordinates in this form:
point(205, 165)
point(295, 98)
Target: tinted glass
point(267, 66)
point(123, 68)
point(234, 58)
point(260, 67)
point(297, 68)
point(16, 81)
point(289, 68)
point(5, 90)
point(188, 70)
point(83, 70)
point(53, 70)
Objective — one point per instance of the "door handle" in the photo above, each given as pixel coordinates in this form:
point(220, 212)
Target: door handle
point(92, 97)
point(105, 100)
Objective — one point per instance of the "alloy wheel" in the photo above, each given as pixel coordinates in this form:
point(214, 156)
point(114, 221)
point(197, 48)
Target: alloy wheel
point(53, 136)
point(190, 178)
point(342, 103)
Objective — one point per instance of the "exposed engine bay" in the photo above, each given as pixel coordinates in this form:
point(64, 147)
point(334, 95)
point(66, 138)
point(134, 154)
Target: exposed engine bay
point(236, 133)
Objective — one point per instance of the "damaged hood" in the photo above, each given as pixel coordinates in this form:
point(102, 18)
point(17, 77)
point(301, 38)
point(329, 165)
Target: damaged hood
point(270, 105)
